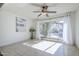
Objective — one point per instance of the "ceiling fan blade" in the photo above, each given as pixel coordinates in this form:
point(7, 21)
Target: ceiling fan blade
point(36, 11)
point(51, 11)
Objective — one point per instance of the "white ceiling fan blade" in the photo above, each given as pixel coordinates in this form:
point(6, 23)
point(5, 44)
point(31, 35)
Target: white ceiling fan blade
point(51, 11)
point(46, 11)
point(36, 11)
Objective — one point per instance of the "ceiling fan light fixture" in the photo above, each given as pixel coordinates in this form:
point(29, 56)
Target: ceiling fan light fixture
point(44, 14)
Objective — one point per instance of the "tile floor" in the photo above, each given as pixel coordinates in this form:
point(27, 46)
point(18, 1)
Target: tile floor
point(38, 48)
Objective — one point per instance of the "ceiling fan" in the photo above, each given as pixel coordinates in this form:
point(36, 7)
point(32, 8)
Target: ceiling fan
point(44, 10)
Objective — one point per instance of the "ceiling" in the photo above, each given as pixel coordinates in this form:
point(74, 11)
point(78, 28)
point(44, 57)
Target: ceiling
point(27, 8)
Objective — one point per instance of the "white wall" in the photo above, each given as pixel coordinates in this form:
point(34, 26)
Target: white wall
point(77, 28)
point(73, 22)
point(8, 34)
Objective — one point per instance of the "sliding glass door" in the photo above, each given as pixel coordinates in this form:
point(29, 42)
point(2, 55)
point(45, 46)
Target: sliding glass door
point(51, 29)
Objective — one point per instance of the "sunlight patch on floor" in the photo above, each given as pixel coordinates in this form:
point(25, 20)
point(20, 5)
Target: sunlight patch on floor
point(47, 46)
point(43, 45)
point(54, 48)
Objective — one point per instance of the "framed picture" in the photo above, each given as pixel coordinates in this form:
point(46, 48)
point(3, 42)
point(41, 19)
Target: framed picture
point(20, 25)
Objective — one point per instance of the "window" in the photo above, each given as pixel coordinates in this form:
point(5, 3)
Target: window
point(51, 29)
